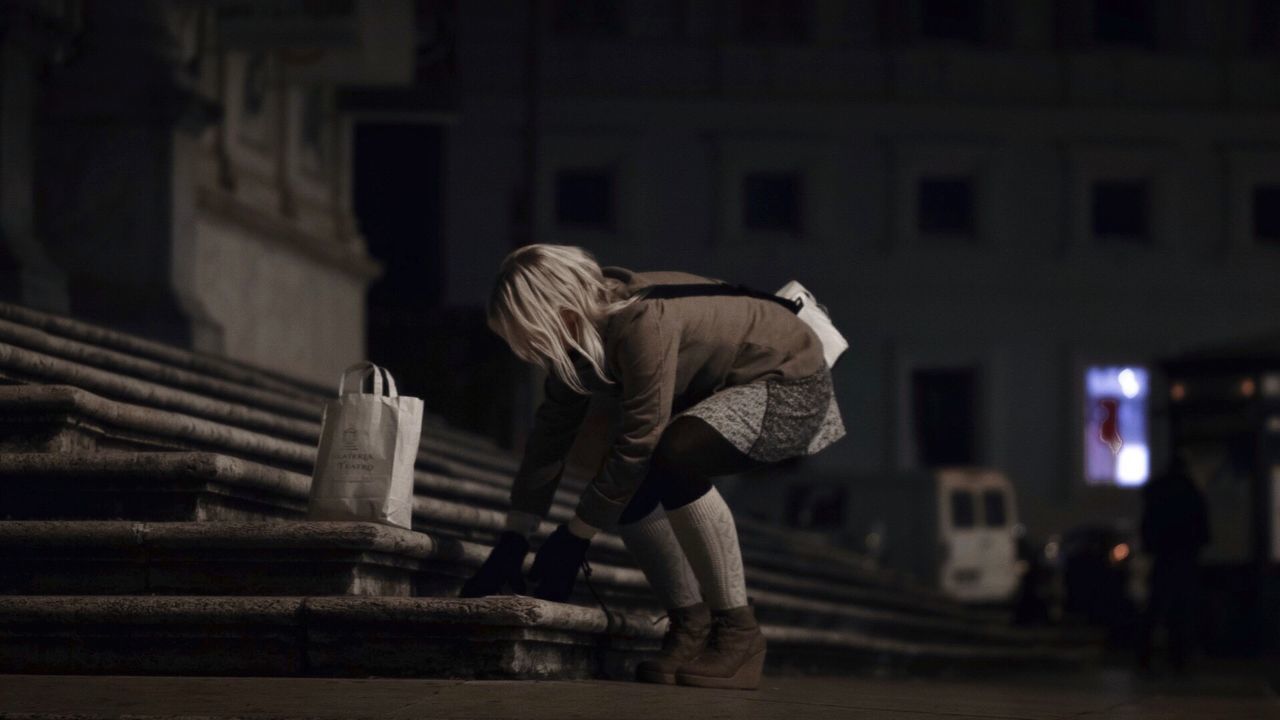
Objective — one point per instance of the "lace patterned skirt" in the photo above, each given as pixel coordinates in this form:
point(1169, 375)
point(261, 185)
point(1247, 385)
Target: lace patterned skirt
point(771, 420)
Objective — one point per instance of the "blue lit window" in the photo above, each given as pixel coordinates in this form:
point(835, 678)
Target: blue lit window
point(1116, 443)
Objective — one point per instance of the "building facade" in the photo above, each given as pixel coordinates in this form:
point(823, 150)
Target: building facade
point(1005, 205)
point(182, 170)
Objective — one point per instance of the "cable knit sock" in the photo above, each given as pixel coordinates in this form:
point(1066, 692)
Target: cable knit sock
point(658, 554)
point(709, 537)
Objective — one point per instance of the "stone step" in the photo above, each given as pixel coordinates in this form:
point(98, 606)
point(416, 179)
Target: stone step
point(43, 357)
point(66, 418)
point(339, 558)
point(45, 348)
point(210, 375)
point(141, 382)
point(45, 367)
point(508, 637)
point(254, 435)
point(59, 326)
point(57, 418)
point(207, 486)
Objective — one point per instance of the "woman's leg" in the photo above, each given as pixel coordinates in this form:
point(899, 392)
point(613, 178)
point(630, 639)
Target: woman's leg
point(690, 453)
point(645, 531)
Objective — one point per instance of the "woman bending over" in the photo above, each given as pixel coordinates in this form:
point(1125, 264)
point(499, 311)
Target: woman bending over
point(706, 386)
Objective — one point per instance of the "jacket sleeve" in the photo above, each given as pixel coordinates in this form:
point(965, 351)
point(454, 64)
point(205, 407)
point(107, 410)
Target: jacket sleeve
point(644, 357)
point(555, 427)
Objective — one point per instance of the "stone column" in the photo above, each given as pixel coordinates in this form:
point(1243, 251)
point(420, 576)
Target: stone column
point(114, 182)
point(27, 275)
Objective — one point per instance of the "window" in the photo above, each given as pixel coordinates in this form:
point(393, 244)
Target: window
point(1120, 209)
point(785, 21)
point(254, 86)
point(952, 20)
point(945, 206)
point(993, 510)
point(1115, 427)
point(962, 509)
point(1123, 22)
point(585, 198)
point(588, 18)
point(945, 415)
point(771, 202)
point(1266, 212)
point(1264, 31)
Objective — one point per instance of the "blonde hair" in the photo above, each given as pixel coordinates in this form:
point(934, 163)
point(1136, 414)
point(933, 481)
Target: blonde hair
point(536, 285)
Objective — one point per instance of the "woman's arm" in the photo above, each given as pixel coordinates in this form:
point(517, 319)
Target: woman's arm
point(555, 426)
point(645, 357)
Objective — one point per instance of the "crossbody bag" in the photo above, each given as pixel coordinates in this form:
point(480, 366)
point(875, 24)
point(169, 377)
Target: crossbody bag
point(793, 296)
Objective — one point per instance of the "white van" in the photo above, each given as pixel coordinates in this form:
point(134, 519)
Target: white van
point(952, 528)
point(979, 553)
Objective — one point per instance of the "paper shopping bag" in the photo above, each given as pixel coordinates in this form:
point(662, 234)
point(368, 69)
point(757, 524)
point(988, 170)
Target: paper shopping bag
point(368, 444)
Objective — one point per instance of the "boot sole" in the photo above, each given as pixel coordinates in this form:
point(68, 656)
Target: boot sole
point(747, 677)
point(653, 676)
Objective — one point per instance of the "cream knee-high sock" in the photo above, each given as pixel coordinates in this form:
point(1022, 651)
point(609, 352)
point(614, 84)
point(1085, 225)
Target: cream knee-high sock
point(706, 531)
point(658, 554)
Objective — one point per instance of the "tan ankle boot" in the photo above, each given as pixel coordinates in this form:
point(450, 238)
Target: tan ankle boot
point(734, 656)
point(685, 638)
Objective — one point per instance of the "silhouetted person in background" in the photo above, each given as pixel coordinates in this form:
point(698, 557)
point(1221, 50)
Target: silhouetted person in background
point(1175, 527)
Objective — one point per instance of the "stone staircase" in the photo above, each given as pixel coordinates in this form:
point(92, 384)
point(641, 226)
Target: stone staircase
point(152, 520)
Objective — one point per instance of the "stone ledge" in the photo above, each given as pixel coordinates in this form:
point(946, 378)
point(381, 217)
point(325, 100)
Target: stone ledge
point(338, 558)
point(57, 407)
point(82, 487)
point(152, 486)
point(507, 637)
point(64, 409)
point(513, 637)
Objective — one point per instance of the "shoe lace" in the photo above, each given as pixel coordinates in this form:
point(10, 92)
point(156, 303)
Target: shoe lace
point(609, 624)
point(718, 623)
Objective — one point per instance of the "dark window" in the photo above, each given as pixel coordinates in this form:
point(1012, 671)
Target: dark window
point(1266, 212)
point(588, 18)
point(785, 21)
point(658, 19)
point(1264, 30)
point(946, 206)
point(962, 510)
point(1124, 22)
point(945, 415)
point(585, 198)
point(1120, 209)
point(956, 20)
point(993, 512)
point(771, 201)
point(254, 91)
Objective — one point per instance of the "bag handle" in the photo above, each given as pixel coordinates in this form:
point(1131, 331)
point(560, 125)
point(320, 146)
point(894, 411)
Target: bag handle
point(378, 374)
point(679, 290)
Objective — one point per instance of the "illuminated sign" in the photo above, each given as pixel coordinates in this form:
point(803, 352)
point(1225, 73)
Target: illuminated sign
point(1116, 442)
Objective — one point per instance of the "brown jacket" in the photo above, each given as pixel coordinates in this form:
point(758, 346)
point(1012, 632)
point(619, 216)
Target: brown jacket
point(665, 355)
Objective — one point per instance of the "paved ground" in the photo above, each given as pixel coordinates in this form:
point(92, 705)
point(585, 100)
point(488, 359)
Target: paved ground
point(1102, 694)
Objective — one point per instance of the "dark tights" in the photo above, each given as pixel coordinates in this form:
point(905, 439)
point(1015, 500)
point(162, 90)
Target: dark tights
point(689, 453)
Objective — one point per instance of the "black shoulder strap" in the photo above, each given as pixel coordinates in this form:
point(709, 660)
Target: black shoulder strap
point(666, 292)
